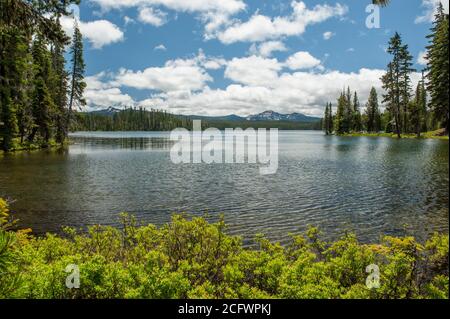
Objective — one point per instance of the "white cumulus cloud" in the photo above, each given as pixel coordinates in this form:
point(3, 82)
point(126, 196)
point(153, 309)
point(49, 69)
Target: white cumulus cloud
point(266, 49)
point(253, 70)
point(214, 13)
point(99, 33)
point(100, 92)
point(175, 75)
point(261, 28)
point(302, 60)
point(258, 83)
point(227, 6)
point(152, 16)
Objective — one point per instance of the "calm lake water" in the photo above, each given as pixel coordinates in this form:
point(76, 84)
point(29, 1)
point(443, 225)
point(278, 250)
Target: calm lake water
point(372, 186)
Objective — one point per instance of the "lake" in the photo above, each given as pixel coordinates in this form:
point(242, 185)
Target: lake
point(372, 186)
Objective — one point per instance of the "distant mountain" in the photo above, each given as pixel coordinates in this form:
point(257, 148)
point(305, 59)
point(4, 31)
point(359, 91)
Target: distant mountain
point(274, 116)
point(264, 116)
point(109, 111)
point(231, 118)
point(98, 120)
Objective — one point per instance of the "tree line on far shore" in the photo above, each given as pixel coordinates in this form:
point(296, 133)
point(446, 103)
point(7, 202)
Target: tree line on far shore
point(131, 119)
point(406, 112)
point(140, 119)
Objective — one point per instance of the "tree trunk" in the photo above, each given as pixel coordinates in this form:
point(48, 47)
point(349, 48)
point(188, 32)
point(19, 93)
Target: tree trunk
point(446, 126)
point(397, 125)
point(72, 92)
point(32, 135)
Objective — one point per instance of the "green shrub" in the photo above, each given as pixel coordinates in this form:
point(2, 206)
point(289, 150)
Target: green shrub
point(196, 259)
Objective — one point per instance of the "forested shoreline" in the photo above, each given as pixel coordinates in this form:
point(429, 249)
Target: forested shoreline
point(130, 119)
point(38, 92)
point(139, 119)
point(408, 111)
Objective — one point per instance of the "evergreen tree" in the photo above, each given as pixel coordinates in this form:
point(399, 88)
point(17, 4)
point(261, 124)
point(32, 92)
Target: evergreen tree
point(418, 109)
point(11, 69)
point(339, 122)
point(325, 120)
point(405, 85)
point(357, 120)
point(348, 111)
point(42, 102)
point(77, 74)
point(24, 109)
point(392, 82)
point(8, 119)
point(422, 103)
point(130, 120)
point(32, 78)
point(330, 118)
point(60, 89)
point(372, 112)
point(438, 68)
point(415, 113)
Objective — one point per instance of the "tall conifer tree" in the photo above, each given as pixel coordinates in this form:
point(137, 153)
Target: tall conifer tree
point(438, 68)
point(77, 73)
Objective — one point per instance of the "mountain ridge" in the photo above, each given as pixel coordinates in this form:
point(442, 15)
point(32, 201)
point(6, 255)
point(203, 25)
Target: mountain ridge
point(268, 115)
point(275, 116)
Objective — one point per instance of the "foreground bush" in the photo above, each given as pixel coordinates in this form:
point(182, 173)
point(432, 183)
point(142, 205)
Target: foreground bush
point(196, 259)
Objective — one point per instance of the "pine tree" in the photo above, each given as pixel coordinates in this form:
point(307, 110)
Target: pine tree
point(348, 111)
point(28, 70)
point(42, 102)
point(357, 120)
point(438, 68)
point(418, 109)
point(405, 85)
point(24, 109)
point(330, 118)
point(422, 102)
point(325, 120)
point(8, 119)
point(392, 82)
point(414, 112)
point(77, 76)
point(339, 122)
point(372, 112)
point(60, 89)
point(11, 69)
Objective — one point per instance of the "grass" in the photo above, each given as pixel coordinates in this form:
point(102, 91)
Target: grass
point(437, 134)
point(29, 147)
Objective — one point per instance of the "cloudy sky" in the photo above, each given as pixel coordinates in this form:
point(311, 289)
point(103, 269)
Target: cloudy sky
point(211, 57)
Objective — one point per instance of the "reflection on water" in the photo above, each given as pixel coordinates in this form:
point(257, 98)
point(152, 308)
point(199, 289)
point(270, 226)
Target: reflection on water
point(373, 186)
point(140, 143)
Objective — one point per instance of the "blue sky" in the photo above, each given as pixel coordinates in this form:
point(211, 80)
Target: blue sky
point(240, 56)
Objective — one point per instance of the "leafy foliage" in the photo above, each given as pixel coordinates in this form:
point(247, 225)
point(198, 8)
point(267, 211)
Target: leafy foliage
point(196, 259)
